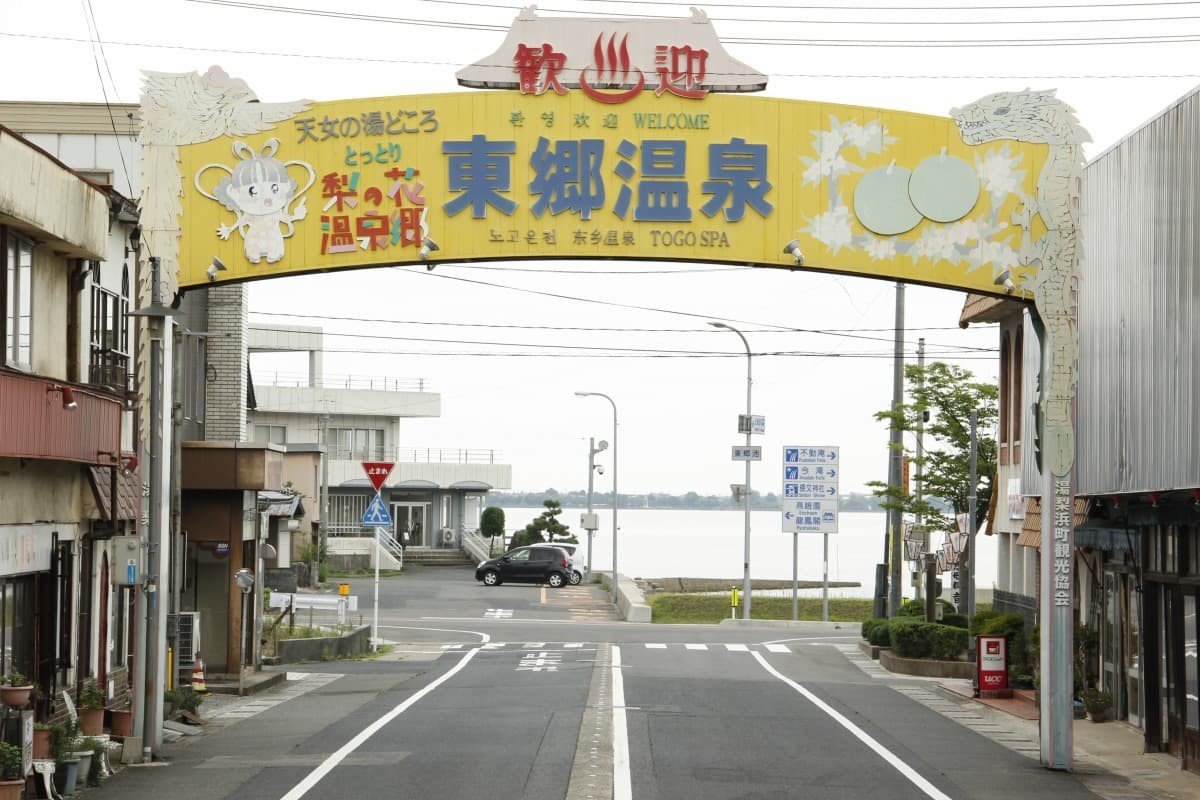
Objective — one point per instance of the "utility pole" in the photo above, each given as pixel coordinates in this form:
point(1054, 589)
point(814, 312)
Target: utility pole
point(895, 553)
point(919, 518)
point(968, 585)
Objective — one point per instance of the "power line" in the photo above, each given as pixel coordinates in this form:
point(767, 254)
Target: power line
point(753, 41)
point(427, 62)
point(569, 327)
point(609, 303)
point(423, 339)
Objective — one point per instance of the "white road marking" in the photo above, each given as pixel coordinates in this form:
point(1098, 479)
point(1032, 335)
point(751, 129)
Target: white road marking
point(656, 647)
point(622, 775)
point(313, 778)
point(483, 637)
point(777, 648)
point(498, 613)
point(737, 648)
point(913, 777)
point(696, 646)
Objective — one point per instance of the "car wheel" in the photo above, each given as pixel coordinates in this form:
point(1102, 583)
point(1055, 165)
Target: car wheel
point(555, 579)
point(576, 578)
point(491, 578)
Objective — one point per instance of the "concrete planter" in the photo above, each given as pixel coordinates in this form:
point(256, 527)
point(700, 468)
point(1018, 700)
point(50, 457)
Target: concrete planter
point(924, 667)
point(870, 650)
point(354, 643)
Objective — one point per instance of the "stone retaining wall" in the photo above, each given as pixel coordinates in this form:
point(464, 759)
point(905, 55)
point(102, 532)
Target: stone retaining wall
point(354, 643)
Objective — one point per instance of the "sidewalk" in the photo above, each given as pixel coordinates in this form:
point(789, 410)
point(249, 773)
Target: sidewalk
point(1109, 757)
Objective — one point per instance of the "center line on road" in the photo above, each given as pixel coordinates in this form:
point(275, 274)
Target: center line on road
point(313, 778)
point(914, 777)
point(622, 777)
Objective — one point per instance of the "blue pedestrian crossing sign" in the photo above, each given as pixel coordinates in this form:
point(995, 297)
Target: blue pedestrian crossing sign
point(376, 515)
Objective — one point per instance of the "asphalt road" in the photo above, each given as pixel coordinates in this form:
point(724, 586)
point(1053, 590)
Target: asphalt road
point(515, 692)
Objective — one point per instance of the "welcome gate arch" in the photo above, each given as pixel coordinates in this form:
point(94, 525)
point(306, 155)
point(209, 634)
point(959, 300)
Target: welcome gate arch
point(628, 142)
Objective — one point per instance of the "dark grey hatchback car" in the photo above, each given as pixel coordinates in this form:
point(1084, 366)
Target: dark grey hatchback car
point(533, 564)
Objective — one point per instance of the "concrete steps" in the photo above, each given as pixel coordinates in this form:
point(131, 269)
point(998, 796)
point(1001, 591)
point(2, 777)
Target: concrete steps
point(437, 557)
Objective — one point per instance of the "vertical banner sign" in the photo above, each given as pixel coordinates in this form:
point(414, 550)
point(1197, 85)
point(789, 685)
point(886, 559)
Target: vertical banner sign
point(810, 489)
point(992, 662)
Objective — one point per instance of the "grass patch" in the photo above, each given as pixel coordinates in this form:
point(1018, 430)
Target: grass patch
point(668, 607)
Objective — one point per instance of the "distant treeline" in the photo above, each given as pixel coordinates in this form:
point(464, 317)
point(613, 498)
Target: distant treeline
point(855, 501)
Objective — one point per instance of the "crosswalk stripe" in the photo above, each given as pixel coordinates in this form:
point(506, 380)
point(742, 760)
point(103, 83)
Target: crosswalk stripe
point(777, 648)
point(737, 648)
point(656, 647)
point(696, 646)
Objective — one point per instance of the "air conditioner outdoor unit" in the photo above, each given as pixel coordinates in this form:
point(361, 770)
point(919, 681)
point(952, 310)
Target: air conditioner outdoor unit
point(447, 536)
point(187, 639)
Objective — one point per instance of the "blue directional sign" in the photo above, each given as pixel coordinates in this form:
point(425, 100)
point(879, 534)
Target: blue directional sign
point(376, 515)
point(810, 489)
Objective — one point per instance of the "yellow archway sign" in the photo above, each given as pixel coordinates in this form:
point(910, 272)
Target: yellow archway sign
point(497, 175)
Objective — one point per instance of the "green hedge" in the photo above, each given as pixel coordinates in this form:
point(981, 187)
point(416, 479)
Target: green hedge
point(915, 638)
point(955, 620)
point(947, 642)
point(876, 632)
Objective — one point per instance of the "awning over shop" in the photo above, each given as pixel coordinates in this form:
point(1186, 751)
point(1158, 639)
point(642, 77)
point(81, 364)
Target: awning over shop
point(1031, 531)
point(280, 504)
point(128, 496)
point(1107, 534)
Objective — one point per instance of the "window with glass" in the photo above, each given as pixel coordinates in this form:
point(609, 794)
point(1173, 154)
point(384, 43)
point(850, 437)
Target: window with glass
point(274, 434)
point(1191, 675)
point(109, 338)
point(18, 301)
point(355, 444)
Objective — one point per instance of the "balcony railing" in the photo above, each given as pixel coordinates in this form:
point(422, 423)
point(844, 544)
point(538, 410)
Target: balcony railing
point(445, 455)
point(368, 382)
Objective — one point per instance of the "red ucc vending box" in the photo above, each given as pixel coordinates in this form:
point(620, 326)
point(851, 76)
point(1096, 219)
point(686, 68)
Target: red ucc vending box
point(991, 659)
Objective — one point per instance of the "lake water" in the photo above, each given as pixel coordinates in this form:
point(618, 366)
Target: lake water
point(668, 543)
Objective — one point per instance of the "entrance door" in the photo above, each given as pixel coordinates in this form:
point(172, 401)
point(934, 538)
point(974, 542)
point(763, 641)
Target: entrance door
point(1133, 649)
point(411, 520)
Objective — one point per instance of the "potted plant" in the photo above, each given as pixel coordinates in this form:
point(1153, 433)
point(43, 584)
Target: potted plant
point(41, 740)
point(12, 782)
point(62, 745)
point(91, 708)
point(84, 749)
point(99, 751)
point(16, 689)
point(185, 698)
point(122, 723)
point(1096, 703)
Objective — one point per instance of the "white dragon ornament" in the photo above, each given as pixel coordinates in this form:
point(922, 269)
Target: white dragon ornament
point(1040, 117)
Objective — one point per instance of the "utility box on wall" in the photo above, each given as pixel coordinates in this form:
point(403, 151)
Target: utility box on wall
point(126, 567)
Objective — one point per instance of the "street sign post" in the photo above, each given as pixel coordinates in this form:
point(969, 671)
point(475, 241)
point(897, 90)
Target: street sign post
point(810, 505)
point(742, 452)
point(376, 516)
point(752, 423)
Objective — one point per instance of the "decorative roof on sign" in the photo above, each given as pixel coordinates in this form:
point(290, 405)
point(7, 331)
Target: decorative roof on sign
point(612, 52)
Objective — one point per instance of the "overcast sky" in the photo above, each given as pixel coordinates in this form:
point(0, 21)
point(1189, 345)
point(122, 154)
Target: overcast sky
point(505, 358)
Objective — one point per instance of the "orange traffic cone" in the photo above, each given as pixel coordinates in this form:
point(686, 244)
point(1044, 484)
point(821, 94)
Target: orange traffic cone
point(198, 676)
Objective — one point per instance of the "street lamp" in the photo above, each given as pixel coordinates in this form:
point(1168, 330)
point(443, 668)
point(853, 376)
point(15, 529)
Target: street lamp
point(592, 469)
point(614, 470)
point(746, 497)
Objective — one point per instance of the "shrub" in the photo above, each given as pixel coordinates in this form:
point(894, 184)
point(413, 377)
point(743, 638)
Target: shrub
point(876, 632)
point(90, 696)
point(185, 698)
point(947, 642)
point(910, 637)
point(955, 620)
point(10, 761)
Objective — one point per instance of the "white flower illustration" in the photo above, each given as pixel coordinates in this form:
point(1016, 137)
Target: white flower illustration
point(832, 228)
point(998, 173)
point(880, 249)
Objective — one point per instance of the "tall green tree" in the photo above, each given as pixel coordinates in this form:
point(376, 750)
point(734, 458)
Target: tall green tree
point(491, 525)
point(945, 396)
point(544, 527)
